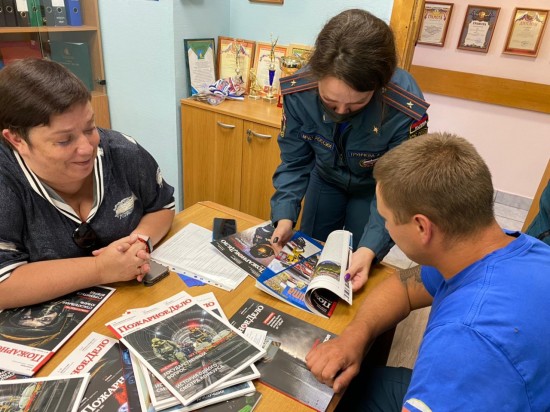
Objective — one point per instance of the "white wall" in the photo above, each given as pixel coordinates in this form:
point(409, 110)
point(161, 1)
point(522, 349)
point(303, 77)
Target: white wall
point(515, 143)
point(295, 21)
point(145, 69)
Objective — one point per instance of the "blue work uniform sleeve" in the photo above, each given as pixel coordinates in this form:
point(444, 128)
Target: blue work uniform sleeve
point(291, 178)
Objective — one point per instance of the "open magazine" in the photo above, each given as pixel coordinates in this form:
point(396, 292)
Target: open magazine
point(304, 273)
point(29, 336)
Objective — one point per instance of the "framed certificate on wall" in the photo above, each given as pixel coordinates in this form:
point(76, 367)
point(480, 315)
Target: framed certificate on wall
point(525, 32)
point(435, 22)
point(201, 68)
point(478, 28)
point(235, 57)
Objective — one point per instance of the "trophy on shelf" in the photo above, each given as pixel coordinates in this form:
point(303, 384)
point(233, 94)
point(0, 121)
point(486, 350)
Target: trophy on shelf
point(272, 67)
point(255, 87)
point(289, 65)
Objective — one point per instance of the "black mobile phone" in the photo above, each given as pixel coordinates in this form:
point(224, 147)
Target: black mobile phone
point(223, 227)
point(155, 274)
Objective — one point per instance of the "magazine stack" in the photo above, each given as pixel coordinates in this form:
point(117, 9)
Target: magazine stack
point(186, 355)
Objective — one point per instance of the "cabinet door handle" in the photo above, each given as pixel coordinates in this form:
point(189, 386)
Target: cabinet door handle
point(250, 133)
point(226, 126)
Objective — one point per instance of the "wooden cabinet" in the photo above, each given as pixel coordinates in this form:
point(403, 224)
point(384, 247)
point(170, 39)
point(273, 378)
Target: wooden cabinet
point(39, 38)
point(230, 152)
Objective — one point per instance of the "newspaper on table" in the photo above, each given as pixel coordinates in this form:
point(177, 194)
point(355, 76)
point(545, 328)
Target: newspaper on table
point(30, 336)
point(189, 252)
point(188, 348)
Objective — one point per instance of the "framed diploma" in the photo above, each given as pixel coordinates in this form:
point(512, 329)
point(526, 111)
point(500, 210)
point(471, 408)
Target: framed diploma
point(477, 30)
point(300, 50)
point(435, 22)
point(525, 32)
point(262, 60)
point(201, 68)
point(235, 58)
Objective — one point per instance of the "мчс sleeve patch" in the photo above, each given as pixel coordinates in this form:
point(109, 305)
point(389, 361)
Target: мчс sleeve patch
point(419, 127)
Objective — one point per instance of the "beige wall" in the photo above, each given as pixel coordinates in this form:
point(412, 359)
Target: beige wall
point(515, 143)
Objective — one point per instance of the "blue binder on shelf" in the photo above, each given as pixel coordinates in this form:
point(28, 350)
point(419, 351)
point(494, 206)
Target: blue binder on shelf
point(22, 13)
point(74, 13)
point(9, 12)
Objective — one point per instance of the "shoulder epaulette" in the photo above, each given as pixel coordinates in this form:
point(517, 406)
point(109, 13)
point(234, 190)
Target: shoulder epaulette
point(297, 82)
point(405, 101)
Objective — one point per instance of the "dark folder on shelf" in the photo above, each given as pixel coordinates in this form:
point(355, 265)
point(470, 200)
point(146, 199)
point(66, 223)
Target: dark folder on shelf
point(75, 57)
point(35, 14)
point(74, 14)
point(2, 18)
point(22, 13)
point(9, 12)
point(53, 12)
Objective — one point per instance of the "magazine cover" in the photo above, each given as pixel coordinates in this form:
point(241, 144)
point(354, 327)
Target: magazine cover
point(328, 282)
point(7, 375)
point(250, 249)
point(132, 392)
point(29, 336)
point(161, 397)
point(143, 392)
point(188, 348)
point(99, 356)
point(54, 393)
point(309, 275)
point(288, 341)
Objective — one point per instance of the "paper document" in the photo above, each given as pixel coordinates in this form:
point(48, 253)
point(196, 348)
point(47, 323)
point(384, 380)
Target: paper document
point(189, 251)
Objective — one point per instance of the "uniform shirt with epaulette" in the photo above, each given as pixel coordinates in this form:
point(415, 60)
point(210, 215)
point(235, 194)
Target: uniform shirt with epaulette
point(36, 224)
point(343, 155)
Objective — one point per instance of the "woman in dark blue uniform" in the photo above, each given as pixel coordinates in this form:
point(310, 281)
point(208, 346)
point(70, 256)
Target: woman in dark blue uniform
point(343, 111)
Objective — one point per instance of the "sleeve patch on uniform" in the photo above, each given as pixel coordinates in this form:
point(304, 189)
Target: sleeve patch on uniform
point(419, 127)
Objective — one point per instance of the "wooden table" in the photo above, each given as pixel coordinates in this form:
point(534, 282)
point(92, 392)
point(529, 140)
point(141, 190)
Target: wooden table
point(132, 294)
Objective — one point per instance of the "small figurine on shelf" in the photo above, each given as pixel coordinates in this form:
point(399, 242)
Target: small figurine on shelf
point(272, 67)
point(255, 88)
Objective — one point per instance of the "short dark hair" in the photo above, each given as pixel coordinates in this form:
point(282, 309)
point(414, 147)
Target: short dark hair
point(32, 90)
point(441, 176)
point(357, 48)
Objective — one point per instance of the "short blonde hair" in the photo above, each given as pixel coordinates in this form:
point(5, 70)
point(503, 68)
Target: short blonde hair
point(441, 176)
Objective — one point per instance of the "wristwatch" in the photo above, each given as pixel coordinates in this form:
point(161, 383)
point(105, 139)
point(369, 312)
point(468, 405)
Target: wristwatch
point(147, 240)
